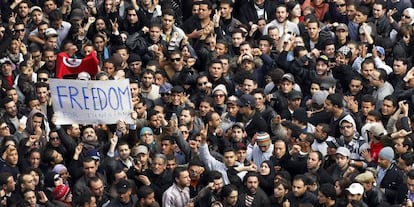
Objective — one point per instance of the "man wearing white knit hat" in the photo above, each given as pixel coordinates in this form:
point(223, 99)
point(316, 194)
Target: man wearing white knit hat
point(260, 149)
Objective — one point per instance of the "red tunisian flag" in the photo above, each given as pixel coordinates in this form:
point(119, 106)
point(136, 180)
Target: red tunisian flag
point(72, 66)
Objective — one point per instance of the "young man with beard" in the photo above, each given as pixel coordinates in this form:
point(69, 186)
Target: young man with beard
point(178, 194)
point(253, 195)
point(146, 197)
point(250, 117)
point(299, 194)
point(149, 90)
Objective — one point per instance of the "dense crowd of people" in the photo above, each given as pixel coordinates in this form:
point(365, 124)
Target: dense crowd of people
point(235, 103)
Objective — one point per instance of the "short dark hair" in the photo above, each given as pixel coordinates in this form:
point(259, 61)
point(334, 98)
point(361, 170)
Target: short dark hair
point(336, 100)
point(177, 171)
point(251, 174)
point(364, 10)
point(382, 74)
point(410, 174)
point(227, 190)
point(408, 157)
point(393, 99)
point(4, 176)
point(144, 191)
point(328, 190)
point(55, 15)
point(207, 2)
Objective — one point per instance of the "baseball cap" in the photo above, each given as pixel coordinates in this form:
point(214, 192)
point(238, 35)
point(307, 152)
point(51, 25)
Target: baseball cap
point(342, 26)
point(141, 149)
point(380, 49)
point(355, 189)
point(332, 144)
point(289, 77)
point(319, 97)
point(294, 95)
point(123, 186)
point(84, 76)
point(246, 100)
point(343, 151)
point(35, 8)
point(323, 58)
point(94, 154)
point(177, 89)
point(76, 14)
point(247, 57)
point(50, 32)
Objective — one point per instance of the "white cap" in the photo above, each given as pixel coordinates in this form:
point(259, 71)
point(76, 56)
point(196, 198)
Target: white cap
point(355, 189)
point(50, 32)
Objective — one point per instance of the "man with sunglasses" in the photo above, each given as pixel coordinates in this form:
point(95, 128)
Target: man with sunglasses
point(351, 140)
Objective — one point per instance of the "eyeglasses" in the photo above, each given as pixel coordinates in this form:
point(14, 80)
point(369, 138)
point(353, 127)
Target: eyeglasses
point(347, 127)
point(43, 79)
point(218, 95)
point(19, 30)
point(340, 5)
point(175, 59)
point(209, 43)
point(202, 84)
point(406, 16)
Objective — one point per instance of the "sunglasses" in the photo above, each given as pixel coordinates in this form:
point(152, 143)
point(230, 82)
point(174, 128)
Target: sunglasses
point(19, 30)
point(341, 5)
point(54, 138)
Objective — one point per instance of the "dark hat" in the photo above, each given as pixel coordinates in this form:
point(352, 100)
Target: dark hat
point(300, 115)
point(332, 144)
point(134, 58)
point(123, 186)
point(94, 154)
point(76, 14)
point(177, 89)
point(246, 100)
point(195, 162)
point(294, 95)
